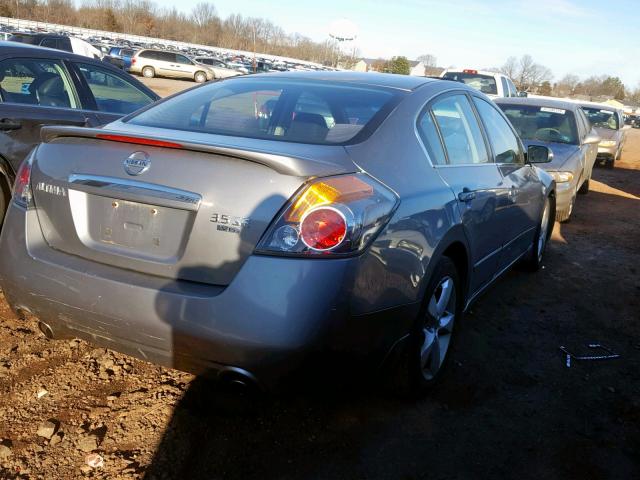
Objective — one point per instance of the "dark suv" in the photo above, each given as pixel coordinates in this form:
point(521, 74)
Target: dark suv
point(40, 86)
point(49, 40)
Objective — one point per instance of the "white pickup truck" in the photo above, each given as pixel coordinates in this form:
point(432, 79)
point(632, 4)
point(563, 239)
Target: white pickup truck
point(490, 83)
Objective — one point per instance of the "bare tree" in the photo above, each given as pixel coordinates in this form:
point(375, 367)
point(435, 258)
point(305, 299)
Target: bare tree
point(510, 67)
point(526, 73)
point(428, 60)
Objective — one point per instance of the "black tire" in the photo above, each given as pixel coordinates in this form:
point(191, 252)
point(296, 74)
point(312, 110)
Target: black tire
point(5, 198)
point(418, 376)
point(584, 189)
point(148, 72)
point(533, 261)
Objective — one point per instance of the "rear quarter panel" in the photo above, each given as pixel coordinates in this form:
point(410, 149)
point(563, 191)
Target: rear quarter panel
point(394, 271)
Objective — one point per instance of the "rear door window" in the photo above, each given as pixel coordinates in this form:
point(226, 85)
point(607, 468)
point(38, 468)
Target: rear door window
point(460, 131)
point(49, 43)
point(431, 138)
point(36, 82)
point(181, 59)
point(113, 94)
point(166, 56)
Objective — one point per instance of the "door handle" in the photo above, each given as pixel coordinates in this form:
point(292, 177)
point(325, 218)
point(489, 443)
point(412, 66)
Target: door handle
point(466, 195)
point(8, 124)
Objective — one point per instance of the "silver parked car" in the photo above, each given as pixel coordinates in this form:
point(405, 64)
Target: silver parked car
point(218, 67)
point(564, 128)
point(608, 122)
point(214, 234)
point(159, 63)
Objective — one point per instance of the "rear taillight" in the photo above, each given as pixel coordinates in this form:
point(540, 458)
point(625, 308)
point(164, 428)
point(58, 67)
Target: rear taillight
point(22, 187)
point(133, 61)
point(331, 216)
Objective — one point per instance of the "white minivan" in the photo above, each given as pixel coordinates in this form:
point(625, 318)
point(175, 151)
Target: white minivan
point(491, 84)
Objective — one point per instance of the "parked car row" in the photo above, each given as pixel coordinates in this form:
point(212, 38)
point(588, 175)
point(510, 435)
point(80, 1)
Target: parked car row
point(250, 228)
point(245, 227)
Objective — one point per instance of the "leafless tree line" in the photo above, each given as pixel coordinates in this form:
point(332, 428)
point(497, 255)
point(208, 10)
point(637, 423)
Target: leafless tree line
point(202, 25)
point(531, 76)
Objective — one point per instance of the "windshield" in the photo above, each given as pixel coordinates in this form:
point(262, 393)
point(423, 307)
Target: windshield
point(285, 110)
point(602, 118)
point(483, 83)
point(546, 124)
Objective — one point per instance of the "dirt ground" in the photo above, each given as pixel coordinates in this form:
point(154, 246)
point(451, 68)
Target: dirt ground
point(166, 86)
point(507, 408)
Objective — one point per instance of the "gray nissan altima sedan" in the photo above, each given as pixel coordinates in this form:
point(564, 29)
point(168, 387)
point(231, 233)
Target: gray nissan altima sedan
point(249, 227)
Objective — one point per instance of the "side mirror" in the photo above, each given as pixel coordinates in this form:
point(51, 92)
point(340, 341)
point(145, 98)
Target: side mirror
point(539, 154)
point(592, 139)
point(523, 94)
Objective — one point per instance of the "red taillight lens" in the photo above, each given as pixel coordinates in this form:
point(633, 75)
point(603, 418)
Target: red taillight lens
point(22, 185)
point(338, 215)
point(133, 61)
point(323, 228)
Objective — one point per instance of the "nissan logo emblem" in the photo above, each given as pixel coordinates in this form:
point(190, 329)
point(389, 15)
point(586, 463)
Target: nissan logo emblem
point(137, 163)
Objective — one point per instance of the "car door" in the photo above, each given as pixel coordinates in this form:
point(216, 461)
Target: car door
point(111, 94)
point(522, 208)
point(35, 92)
point(460, 154)
point(165, 64)
point(184, 67)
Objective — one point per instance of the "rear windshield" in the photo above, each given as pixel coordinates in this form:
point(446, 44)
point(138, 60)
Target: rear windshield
point(602, 118)
point(483, 83)
point(283, 109)
point(547, 124)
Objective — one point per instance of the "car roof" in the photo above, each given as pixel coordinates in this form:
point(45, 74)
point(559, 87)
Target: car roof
point(539, 102)
point(38, 35)
point(400, 82)
point(9, 49)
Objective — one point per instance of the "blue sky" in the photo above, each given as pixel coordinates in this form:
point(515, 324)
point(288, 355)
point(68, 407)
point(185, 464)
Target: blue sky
point(585, 37)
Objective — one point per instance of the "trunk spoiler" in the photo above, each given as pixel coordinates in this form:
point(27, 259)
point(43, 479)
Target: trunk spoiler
point(297, 165)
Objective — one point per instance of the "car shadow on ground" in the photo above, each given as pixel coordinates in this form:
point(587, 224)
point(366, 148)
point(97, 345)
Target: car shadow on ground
point(507, 407)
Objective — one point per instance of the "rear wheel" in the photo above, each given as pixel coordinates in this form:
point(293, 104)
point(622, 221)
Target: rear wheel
point(5, 196)
point(200, 77)
point(148, 72)
point(432, 335)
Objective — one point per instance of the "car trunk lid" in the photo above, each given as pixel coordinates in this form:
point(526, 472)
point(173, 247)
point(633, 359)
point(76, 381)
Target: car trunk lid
point(191, 212)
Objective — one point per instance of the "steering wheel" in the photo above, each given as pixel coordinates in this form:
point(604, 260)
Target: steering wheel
point(549, 132)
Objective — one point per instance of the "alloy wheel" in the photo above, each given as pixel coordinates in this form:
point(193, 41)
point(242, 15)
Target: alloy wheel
point(438, 327)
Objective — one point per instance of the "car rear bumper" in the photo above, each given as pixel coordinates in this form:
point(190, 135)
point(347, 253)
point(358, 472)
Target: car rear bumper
point(275, 316)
